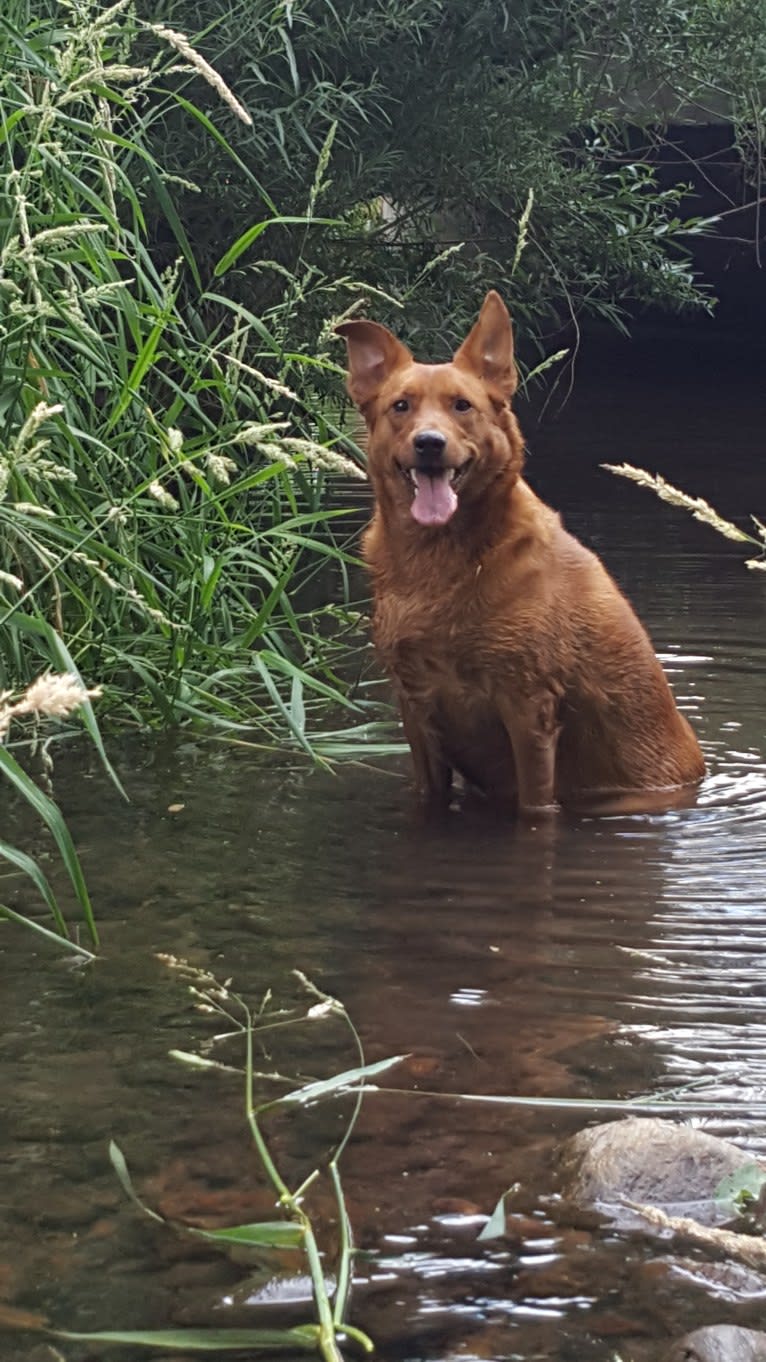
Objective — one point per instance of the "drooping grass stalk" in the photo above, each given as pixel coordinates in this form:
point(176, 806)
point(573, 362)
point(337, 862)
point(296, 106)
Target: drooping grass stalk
point(49, 697)
point(59, 938)
point(644, 1106)
point(699, 508)
point(332, 1319)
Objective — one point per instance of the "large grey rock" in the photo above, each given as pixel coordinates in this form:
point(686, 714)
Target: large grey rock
point(719, 1343)
point(659, 1163)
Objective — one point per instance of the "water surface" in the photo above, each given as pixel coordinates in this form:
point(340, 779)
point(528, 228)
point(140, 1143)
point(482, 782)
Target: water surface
point(599, 958)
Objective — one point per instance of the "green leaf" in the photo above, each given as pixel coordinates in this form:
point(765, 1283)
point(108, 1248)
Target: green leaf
point(252, 234)
point(64, 941)
point(282, 664)
point(9, 123)
point(210, 127)
point(297, 707)
point(304, 1337)
point(120, 1167)
point(143, 361)
point(174, 221)
point(495, 1226)
point(32, 869)
point(268, 1234)
point(256, 628)
point(742, 1186)
point(52, 817)
point(350, 1079)
point(290, 59)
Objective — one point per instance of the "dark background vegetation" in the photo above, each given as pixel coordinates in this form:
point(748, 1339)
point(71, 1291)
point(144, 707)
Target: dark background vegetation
point(627, 122)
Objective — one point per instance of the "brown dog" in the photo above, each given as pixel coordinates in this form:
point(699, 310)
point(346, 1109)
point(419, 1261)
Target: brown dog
point(516, 659)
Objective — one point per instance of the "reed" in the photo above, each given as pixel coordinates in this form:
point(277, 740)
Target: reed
point(163, 456)
point(699, 508)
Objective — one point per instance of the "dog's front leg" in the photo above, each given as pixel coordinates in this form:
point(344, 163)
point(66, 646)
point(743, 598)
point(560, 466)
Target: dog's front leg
point(433, 773)
point(533, 728)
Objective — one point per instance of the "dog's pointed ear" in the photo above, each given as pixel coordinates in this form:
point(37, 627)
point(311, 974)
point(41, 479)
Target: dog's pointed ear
point(373, 354)
point(488, 348)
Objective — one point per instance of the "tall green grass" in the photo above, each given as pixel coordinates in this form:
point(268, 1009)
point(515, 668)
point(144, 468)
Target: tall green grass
point(163, 451)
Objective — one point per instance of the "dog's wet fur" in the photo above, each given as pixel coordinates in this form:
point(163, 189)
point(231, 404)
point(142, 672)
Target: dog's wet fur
point(517, 661)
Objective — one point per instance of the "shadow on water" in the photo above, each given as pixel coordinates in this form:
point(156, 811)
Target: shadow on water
point(598, 958)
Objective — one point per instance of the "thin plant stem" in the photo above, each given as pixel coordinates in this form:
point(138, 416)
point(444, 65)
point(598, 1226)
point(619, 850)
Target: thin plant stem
point(327, 1341)
point(345, 1257)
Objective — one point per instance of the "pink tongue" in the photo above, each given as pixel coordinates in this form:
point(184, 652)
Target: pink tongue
point(435, 500)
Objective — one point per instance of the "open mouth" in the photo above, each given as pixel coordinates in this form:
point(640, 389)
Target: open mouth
point(435, 495)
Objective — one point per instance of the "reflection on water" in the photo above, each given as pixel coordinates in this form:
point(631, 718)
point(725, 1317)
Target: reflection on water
point(587, 957)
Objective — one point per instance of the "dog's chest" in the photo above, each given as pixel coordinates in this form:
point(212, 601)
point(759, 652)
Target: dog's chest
point(435, 649)
point(442, 667)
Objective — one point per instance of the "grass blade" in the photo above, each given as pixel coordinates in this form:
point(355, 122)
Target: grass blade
point(45, 931)
point(32, 869)
point(274, 1234)
point(252, 234)
point(350, 1079)
point(303, 1337)
point(495, 1226)
point(119, 1164)
point(52, 817)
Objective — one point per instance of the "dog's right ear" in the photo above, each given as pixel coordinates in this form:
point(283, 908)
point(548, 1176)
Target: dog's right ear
point(373, 354)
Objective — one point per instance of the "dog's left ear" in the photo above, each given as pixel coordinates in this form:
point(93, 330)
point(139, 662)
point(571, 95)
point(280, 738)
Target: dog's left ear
point(373, 354)
point(488, 348)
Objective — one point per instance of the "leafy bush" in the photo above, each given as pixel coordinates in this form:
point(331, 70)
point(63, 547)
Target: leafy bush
point(447, 117)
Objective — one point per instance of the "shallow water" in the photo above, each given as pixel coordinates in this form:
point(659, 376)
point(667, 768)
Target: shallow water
point(596, 958)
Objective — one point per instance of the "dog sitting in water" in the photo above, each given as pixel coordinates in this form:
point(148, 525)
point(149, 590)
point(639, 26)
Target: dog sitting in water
point(516, 659)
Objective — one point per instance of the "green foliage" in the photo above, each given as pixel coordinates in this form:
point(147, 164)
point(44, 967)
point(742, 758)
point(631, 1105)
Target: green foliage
point(51, 816)
point(447, 117)
point(162, 456)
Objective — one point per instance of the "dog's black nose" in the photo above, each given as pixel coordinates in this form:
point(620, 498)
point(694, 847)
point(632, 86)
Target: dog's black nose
point(429, 446)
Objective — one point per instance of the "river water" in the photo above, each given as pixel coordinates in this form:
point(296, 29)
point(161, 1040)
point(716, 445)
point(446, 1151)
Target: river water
point(591, 958)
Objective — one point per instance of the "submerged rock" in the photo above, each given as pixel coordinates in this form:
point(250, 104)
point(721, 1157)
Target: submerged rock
point(728, 1281)
point(658, 1163)
point(719, 1343)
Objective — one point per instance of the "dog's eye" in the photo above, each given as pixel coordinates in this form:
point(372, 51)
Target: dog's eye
point(462, 404)
point(401, 404)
